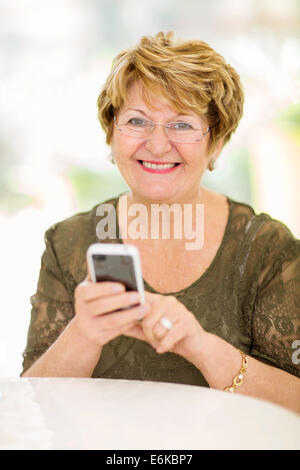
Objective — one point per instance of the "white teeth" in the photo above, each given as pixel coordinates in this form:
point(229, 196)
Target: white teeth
point(160, 166)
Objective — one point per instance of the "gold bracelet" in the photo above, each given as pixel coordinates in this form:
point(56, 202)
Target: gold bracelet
point(238, 379)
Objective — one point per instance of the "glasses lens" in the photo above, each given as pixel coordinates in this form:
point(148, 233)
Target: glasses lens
point(184, 136)
point(138, 127)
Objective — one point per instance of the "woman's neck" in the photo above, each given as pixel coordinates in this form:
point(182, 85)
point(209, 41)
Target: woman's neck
point(198, 196)
point(144, 219)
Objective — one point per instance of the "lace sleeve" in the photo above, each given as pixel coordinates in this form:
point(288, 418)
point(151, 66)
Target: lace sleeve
point(276, 315)
point(52, 306)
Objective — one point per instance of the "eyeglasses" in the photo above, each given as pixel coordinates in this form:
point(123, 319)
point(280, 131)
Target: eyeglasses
point(179, 131)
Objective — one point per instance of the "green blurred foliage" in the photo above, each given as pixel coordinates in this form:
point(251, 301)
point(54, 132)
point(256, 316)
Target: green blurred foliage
point(235, 179)
point(11, 200)
point(289, 121)
point(93, 187)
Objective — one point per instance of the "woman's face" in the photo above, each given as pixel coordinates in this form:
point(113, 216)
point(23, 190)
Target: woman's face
point(178, 184)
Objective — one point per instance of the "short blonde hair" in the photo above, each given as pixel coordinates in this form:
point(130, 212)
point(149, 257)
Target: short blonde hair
point(189, 74)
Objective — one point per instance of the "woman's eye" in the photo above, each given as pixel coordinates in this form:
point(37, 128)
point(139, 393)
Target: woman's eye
point(181, 126)
point(138, 122)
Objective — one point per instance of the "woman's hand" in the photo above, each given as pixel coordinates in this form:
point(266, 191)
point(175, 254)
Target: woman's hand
point(184, 338)
point(98, 310)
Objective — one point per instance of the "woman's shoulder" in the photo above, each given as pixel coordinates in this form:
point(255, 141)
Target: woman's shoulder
point(261, 221)
point(80, 223)
point(70, 238)
point(261, 232)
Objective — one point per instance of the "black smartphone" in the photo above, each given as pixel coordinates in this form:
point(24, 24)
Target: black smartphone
point(116, 262)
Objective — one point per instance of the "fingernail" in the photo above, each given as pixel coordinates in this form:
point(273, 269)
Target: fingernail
point(118, 288)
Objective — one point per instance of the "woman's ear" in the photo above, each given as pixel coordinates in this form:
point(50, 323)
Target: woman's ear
point(212, 165)
point(110, 157)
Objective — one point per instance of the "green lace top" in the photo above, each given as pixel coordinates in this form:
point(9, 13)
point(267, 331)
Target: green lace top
point(249, 296)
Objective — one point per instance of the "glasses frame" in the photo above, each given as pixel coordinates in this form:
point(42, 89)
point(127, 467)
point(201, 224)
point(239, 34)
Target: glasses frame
point(151, 125)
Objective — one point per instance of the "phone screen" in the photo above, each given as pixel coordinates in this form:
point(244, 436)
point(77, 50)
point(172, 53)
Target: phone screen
point(115, 268)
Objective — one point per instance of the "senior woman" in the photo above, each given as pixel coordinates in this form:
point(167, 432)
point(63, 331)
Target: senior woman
point(225, 314)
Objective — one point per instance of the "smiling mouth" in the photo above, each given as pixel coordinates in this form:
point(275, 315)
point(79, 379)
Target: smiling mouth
point(158, 166)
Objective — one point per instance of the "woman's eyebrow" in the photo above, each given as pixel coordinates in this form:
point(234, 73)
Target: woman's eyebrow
point(138, 110)
point(145, 114)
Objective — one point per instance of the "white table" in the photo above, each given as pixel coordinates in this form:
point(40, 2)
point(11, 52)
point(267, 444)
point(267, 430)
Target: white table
point(67, 413)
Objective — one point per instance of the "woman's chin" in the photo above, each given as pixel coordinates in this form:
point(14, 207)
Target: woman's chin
point(157, 195)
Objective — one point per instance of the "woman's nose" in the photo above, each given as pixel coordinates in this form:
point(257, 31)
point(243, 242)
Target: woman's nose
point(158, 143)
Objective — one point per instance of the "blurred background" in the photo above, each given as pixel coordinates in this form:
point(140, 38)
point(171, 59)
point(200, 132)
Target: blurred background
point(54, 58)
